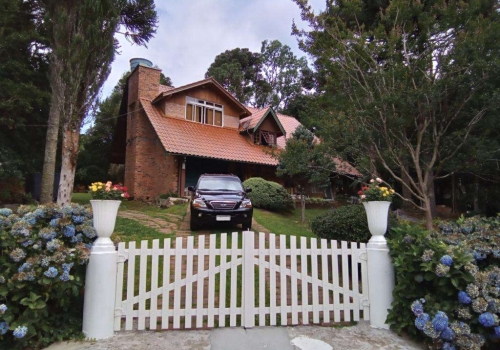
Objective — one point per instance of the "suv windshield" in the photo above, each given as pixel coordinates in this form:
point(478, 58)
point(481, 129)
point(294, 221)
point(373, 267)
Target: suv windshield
point(219, 184)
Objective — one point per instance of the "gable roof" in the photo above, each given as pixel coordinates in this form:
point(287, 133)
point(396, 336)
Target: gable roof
point(255, 120)
point(169, 92)
point(179, 136)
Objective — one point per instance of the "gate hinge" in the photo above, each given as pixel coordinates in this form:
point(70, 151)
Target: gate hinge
point(364, 302)
point(122, 257)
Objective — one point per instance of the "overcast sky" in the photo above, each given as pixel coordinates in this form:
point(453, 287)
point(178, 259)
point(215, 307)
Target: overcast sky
point(192, 32)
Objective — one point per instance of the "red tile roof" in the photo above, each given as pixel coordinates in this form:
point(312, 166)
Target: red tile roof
point(194, 139)
point(164, 88)
point(184, 137)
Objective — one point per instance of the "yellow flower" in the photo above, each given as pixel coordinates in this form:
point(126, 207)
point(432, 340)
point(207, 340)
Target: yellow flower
point(385, 195)
point(392, 191)
point(94, 188)
point(383, 188)
point(99, 187)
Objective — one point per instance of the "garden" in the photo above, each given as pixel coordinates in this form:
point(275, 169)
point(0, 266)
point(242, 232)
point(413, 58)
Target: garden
point(447, 291)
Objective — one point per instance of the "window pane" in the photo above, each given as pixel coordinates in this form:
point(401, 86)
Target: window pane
point(189, 112)
point(218, 118)
point(210, 117)
point(198, 114)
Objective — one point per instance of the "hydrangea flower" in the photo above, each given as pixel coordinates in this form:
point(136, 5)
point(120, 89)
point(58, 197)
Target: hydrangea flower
point(69, 231)
point(51, 272)
point(464, 298)
point(448, 334)
point(89, 232)
point(427, 256)
point(479, 255)
point(4, 327)
point(24, 267)
point(2, 279)
point(5, 212)
point(17, 255)
point(442, 270)
point(421, 320)
point(417, 308)
point(30, 219)
point(446, 260)
point(20, 229)
point(497, 331)
point(53, 245)
point(47, 234)
point(20, 332)
point(440, 321)
point(448, 346)
point(67, 267)
point(65, 277)
point(3, 308)
point(54, 222)
point(78, 219)
point(487, 319)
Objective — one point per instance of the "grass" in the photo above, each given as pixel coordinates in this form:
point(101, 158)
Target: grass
point(81, 198)
point(128, 230)
point(287, 223)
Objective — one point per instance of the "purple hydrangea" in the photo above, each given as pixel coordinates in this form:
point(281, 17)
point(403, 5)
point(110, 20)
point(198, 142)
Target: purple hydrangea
point(464, 298)
point(440, 321)
point(497, 331)
point(487, 319)
point(417, 308)
point(479, 255)
point(65, 277)
point(446, 260)
point(69, 231)
point(78, 219)
point(448, 346)
point(3, 308)
point(448, 334)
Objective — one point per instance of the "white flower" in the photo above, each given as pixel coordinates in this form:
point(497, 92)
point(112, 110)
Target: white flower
point(123, 194)
point(363, 196)
point(378, 179)
point(372, 181)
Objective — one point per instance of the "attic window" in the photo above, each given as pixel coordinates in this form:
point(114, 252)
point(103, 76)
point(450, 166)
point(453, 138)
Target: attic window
point(265, 138)
point(204, 112)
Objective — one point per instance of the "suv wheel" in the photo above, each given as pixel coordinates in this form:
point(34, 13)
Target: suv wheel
point(247, 225)
point(193, 225)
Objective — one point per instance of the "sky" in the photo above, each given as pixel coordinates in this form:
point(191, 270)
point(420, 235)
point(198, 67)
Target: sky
point(191, 33)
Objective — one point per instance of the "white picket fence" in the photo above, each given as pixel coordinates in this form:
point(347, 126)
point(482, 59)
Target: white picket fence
point(249, 280)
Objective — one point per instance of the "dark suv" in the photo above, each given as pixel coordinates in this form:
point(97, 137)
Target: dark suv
point(220, 198)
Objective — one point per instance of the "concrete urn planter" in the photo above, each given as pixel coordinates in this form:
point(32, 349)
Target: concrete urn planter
point(377, 213)
point(105, 212)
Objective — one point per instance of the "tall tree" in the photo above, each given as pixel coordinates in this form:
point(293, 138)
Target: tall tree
point(304, 164)
point(284, 76)
point(24, 90)
point(83, 47)
point(411, 78)
point(238, 71)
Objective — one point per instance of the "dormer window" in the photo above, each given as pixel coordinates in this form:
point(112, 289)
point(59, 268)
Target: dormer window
point(204, 112)
point(265, 138)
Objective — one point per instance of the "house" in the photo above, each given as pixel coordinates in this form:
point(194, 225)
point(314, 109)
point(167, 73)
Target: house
point(167, 137)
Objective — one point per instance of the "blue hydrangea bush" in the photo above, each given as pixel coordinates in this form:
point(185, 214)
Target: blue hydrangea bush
point(448, 283)
point(43, 254)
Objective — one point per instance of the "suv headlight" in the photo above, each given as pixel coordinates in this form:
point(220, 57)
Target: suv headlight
point(246, 203)
point(199, 203)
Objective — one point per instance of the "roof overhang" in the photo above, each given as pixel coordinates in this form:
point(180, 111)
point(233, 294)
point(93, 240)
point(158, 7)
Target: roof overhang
point(270, 112)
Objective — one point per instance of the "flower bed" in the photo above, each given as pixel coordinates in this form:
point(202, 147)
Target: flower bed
point(43, 253)
point(448, 283)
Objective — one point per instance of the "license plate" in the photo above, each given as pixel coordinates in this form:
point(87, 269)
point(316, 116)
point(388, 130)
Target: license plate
point(223, 218)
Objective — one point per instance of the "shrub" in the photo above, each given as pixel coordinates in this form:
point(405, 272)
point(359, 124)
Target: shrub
point(347, 223)
point(268, 195)
point(318, 201)
point(452, 274)
point(43, 253)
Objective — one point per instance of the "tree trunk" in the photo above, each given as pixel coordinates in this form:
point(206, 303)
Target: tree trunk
point(49, 160)
point(303, 208)
point(431, 193)
point(406, 193)
point(71, 137)
point(476, 194)
point(428, 213)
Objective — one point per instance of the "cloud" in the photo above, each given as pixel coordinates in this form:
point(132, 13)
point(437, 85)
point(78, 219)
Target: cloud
point(192, 32)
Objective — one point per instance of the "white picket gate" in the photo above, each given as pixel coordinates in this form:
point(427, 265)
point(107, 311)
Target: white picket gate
point(249, 280)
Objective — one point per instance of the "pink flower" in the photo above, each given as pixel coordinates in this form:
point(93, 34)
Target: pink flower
point(363, 197)
point(372, 181)
point(379, 180)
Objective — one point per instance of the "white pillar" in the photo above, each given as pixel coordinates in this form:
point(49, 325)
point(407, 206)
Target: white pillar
point(380, 281)
point(248, 285)
point(100, 289)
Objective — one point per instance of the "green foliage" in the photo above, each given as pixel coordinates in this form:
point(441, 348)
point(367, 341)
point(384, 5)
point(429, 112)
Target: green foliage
point(268, 195)
point(347, 223)
point(472, 246)
point(43, 253)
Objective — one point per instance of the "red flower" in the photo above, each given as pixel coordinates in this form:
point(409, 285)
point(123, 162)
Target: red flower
point(360, 192)
point(364, 188)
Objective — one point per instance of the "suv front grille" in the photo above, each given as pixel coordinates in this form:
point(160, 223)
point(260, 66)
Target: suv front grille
point(223, 205)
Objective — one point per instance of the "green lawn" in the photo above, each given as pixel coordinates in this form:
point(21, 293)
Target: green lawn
point(287, 223)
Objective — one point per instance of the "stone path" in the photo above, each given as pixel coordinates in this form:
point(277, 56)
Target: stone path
point(161, 225)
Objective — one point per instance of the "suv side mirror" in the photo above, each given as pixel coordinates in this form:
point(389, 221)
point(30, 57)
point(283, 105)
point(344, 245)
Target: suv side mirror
point(248, 190)
point(191, 188)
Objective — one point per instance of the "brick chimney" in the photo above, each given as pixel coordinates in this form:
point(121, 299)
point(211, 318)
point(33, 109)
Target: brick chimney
point(144, 81)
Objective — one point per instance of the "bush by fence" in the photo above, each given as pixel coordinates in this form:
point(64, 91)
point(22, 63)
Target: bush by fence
point(347, 223)
point(43, 254)
point(448, 283)
point(268, 195)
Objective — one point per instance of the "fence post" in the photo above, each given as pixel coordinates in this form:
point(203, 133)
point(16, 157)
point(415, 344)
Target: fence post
point(248, 293)
point(380, 281)
point(100, 289)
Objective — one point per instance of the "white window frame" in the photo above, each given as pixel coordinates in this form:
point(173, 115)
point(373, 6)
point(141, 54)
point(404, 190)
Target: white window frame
point(205, 105)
